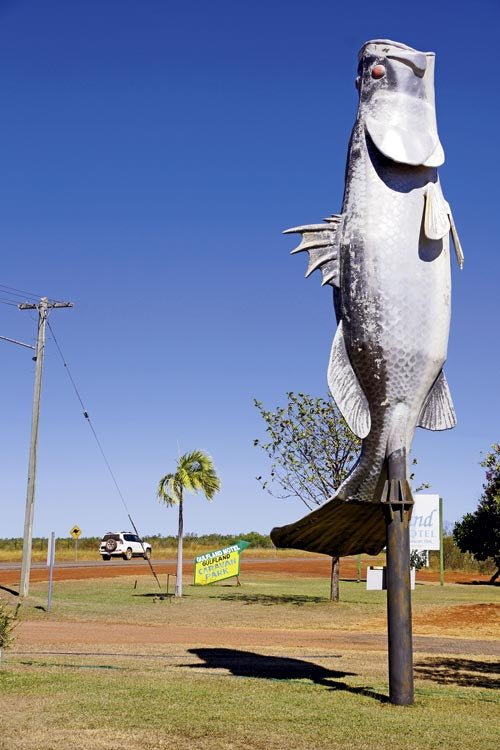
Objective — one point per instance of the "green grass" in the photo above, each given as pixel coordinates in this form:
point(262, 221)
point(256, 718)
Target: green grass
point(166, 696)
point(203, 700)
point(262, 601)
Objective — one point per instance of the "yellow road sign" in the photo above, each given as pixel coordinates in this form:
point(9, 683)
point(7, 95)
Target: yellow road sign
point(75, 531)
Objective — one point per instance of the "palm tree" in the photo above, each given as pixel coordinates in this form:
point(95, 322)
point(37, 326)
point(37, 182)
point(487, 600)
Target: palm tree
point(195, 472)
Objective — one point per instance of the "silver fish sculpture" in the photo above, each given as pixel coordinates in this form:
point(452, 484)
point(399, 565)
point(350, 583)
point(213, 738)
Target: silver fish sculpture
point(387, 256)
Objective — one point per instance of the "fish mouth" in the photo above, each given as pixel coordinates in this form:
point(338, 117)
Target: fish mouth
point(405, 131)
point(397, 102)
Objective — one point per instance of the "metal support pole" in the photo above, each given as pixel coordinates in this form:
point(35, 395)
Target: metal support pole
point(441, 545)
point(52, 557)
point(399, 505)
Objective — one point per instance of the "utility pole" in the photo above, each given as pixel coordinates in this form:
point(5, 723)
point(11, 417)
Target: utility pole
point(43, 308)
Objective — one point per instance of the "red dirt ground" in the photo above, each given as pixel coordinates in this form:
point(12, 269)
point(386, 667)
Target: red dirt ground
point(305, 567)
point(472, 621)
point(86, 635)
point(466, 617)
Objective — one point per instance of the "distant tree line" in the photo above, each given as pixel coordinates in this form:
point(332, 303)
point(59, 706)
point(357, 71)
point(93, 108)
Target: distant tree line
point(454, 559)
point(212, 541)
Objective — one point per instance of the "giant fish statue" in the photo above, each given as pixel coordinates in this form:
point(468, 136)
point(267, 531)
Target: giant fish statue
point(387, 257)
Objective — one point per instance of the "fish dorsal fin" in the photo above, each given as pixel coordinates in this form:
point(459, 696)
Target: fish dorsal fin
point(438, 412)
point(345, 388)
point(322, 243)
point(436, 221)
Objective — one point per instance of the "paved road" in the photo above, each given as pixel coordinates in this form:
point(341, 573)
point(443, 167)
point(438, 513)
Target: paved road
point(86, 564)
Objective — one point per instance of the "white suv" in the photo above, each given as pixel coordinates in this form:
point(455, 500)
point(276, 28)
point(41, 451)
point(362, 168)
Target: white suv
point(123, 544)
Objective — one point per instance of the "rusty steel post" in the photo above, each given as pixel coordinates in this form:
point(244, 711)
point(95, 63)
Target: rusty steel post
point(399, 627)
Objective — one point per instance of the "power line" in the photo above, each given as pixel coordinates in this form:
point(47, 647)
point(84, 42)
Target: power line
point(13, 291)
point(15, 341)
point(19, 292)
point(14, 294)
point(87, 417)
point(99, 444)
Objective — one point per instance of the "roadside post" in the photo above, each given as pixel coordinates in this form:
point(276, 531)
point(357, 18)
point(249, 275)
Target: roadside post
point(51, 554)
point(75, 533)
point(441, 545)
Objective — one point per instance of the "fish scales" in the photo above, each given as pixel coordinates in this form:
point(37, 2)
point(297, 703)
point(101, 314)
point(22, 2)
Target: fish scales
point(395, 300)
point(390, 254)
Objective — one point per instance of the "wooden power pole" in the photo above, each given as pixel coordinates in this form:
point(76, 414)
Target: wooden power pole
point(43, 308)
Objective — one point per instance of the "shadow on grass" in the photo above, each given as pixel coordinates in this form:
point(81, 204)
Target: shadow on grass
point(463, 672)
point(155, 596)
point(249, 664)
point(269, 600)
point(479, 583)
point(9, 591)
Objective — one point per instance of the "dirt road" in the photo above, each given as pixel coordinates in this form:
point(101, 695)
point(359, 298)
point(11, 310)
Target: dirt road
point(68, 635)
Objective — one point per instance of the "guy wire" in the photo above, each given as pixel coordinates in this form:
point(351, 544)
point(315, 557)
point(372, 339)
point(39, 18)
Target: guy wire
point(89, 421)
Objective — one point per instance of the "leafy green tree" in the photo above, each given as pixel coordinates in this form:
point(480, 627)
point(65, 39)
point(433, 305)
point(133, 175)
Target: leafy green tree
point(194, 473)
point(311, 449)
point(479, 532)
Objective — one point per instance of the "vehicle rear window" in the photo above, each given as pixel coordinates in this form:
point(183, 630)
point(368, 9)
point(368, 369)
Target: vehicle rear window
point(116, 537)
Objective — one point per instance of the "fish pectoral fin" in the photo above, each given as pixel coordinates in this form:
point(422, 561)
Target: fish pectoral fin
point(436, 214)
point(456, 240)
point(346, 389)
point(438, 219)
point(322, 242)
point(438, 412)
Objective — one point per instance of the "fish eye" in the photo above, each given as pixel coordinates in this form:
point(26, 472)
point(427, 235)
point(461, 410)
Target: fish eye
point(378, 71)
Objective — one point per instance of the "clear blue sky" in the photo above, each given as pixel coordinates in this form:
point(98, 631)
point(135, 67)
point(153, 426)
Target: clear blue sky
point(151, 154)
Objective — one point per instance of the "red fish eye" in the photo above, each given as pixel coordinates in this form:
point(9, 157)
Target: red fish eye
point(378, 72)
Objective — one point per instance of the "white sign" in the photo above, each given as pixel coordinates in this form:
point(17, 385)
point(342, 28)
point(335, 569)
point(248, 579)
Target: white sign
point(424, 524)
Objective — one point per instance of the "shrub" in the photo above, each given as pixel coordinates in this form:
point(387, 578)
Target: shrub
point(8, 621)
